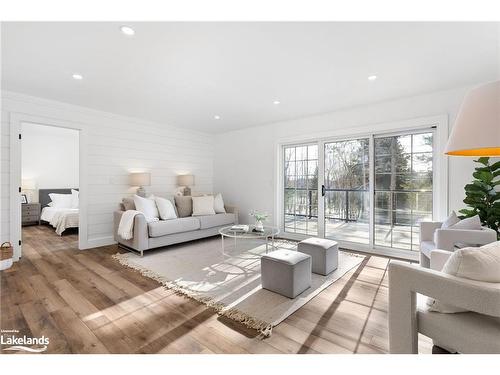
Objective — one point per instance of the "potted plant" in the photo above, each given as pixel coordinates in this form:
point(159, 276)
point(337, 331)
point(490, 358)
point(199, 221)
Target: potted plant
point(482, 196)
point(260, 218)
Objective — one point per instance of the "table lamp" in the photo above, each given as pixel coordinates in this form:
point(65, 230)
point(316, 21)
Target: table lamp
point(140, 180)
point(185, 180)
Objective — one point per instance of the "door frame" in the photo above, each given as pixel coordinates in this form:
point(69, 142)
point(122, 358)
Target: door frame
point(440, 164)
point(16, 121)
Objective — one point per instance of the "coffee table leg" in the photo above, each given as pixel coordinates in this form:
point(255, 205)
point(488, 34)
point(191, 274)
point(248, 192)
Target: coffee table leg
point(267, 244)
point(222, 240)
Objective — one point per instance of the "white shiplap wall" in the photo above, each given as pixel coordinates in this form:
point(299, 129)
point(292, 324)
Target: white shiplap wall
point(115, 146)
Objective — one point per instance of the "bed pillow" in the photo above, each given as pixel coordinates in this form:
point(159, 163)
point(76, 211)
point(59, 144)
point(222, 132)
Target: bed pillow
point(165, 208)
point(75, 198)
point(147, 206)
point(450, 221)
point(61, 200)
point(219, 204)
point(471, 223)
point(474, 263)
point(184, 205)
point(203, 205)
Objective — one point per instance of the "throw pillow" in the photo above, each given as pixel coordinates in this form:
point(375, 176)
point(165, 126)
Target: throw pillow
point(61, 200)
point(474, 263)
point(184, 205)
point(147, 206)
point(165, 208)
point(75, 198)
point(472, 223)
point(203, 205)
point(219, 204)
point(128, 204)
point(450, 221)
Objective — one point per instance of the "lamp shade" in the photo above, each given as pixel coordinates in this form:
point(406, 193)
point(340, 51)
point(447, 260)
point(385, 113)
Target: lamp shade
point(185, 180)
point(28, 184)
point(140, 179)
point(477, 128)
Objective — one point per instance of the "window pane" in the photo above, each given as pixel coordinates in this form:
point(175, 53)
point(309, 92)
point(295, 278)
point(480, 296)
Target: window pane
point(347, 197)
point(403, 188)
point(300, 204)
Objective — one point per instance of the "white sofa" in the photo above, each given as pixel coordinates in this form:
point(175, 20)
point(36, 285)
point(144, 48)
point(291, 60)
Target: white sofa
point(432, 237)
point(476, 331)
point(168, 232)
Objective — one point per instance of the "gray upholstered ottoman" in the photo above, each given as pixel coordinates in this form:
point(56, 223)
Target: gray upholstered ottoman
point(324, 253)
point(286, 272)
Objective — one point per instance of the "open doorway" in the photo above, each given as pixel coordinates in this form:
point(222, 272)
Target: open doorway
point(49, 188)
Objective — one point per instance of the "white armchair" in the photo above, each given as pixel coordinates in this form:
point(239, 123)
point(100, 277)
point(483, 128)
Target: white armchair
point(433, 237)
point(477, 331)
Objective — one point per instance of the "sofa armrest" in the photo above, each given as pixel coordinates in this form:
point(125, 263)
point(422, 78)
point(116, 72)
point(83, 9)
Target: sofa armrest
point(140, 241)
point(405, 280)
point(427, 229)
point(445, 239)
point(232, 210)
point(439, 258)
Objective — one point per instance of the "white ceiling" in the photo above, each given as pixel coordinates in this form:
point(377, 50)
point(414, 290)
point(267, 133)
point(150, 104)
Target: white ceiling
point(186, 73)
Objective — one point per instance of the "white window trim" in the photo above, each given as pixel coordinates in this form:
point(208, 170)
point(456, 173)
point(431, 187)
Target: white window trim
point(440, 183)
point(16, 121)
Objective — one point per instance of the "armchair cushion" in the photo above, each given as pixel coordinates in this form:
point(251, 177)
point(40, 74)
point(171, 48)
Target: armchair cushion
point(480, 264)
point(451, 220)
point(471, 223)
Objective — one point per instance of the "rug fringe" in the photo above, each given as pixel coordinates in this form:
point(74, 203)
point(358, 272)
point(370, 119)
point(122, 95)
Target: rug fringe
point(263, 328)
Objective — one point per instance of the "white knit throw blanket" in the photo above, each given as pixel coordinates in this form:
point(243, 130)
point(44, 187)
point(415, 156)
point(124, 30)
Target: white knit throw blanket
point(126, 226)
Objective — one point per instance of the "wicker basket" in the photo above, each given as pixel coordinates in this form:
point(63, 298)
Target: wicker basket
point(6, 253)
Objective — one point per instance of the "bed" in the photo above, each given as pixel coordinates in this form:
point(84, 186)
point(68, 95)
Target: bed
point(59, 218)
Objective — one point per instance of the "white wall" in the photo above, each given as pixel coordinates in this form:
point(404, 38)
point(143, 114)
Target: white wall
point(50, 157)
point(245, 160)
point(114, 146)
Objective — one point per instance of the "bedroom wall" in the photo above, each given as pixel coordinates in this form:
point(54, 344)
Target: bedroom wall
point(115, 146)
point(245, 159)
point(50, 157)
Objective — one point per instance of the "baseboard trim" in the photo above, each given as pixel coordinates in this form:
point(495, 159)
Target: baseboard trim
point(98, 242)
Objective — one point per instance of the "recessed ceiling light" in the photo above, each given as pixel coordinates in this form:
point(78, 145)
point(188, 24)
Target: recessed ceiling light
point(276, 102)
point(127, 30)
point(217, 117)
point(77, 76)
point(372, 78)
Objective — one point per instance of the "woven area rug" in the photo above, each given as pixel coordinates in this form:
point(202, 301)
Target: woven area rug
point(230, 282)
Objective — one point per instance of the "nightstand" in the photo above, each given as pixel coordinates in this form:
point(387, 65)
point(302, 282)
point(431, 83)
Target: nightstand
point(31, 214)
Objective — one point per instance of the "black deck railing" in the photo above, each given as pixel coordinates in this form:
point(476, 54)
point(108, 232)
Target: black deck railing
point(349, 209)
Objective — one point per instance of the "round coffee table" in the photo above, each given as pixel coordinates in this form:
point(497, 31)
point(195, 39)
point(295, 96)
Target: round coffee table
point(268, 233)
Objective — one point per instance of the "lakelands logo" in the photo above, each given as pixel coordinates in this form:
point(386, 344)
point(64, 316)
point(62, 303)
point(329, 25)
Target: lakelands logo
point(23, 343)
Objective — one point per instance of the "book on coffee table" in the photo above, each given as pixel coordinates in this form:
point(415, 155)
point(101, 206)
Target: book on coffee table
point(239, 228)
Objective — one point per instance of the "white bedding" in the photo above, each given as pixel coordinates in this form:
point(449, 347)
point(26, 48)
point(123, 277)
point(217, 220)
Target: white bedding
point(61, 218)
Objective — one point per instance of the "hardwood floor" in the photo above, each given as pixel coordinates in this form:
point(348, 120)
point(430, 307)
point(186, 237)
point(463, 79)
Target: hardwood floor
point(86, 302)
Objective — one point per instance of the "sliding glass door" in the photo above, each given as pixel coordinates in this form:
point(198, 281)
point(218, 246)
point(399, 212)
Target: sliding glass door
point(372, 191)
point(403, 188)
point(347, 190)
point(301, 189)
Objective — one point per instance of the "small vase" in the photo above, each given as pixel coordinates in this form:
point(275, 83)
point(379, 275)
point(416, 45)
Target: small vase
point(259, 226)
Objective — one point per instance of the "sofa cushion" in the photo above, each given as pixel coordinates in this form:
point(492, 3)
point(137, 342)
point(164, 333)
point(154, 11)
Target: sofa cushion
point(184, 205)
point(128, 203)
point(203, 205)
point(426, 247)
point(166, 227)
point(217, 220)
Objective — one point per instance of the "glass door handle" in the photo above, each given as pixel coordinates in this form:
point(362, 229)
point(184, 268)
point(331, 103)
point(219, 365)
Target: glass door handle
point(323, 190)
